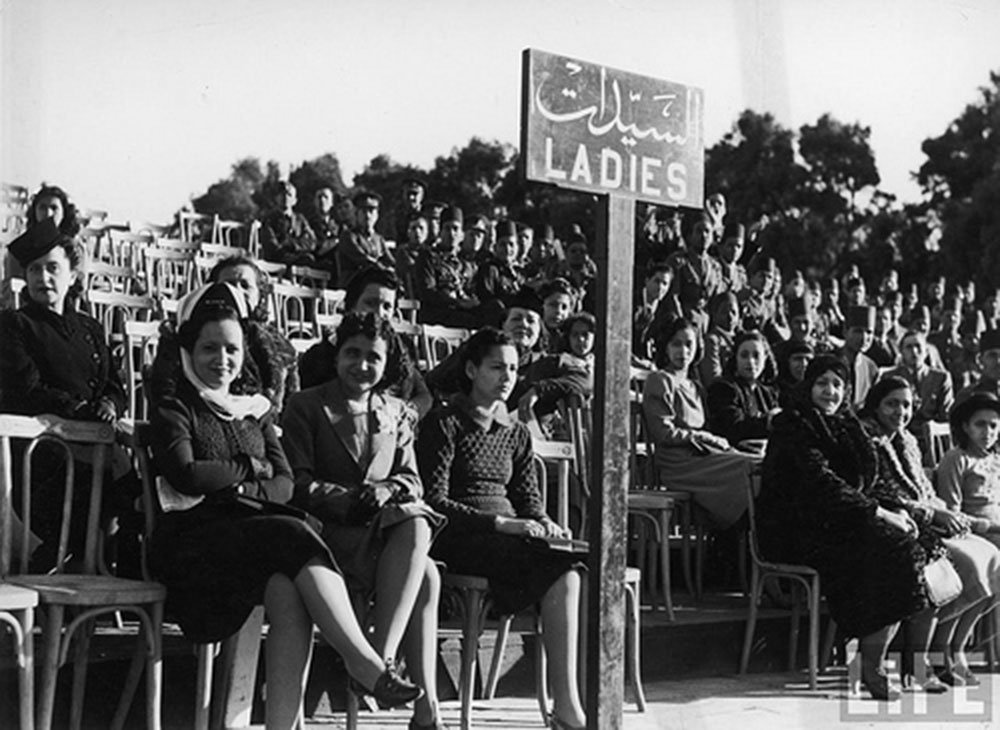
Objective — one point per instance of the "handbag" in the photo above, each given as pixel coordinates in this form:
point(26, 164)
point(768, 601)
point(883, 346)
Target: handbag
point(942, 581)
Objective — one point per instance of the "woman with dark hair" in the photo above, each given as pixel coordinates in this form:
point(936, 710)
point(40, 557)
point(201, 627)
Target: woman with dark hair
point(225, 540)
point(815, 508)
point(350, 447)
point(270, 364)
point(742, 403)
point(724, 313)
point(792, 369)
point(903, 483)
point(688, 455)
point(476, 463)
point(52, 202)
point(57, 360)
point(372, 290)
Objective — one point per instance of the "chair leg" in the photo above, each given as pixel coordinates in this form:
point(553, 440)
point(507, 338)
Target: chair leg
point(668, 599)
point(756, 581)
point(154, 670)
point(131, 683)
point(632, 630)
point(81, 649)
point(499, 648)
point(686, 527)
point(742, 548)
point(699, 561)
point(793, 633)
point(813, 632)
point(471, 626)
point(828, 641)
point(26, 669)
point(203, 691)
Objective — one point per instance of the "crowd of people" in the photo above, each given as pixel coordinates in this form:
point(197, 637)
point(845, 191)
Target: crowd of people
point(289, 480)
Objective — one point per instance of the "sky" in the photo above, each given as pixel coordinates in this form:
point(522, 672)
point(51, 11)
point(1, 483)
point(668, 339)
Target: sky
point(135, 106)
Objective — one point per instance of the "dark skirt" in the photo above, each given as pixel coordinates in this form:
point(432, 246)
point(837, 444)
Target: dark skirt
point(520, 571)
point(216, 560)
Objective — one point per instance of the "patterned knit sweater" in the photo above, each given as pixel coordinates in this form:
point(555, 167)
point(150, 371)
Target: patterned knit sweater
point(473, 471)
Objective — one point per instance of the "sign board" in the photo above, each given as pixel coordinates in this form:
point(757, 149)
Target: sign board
point(595, 129)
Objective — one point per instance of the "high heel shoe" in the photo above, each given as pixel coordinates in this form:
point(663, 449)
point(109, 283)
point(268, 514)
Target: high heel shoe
point(876, 681)
point(390, 689)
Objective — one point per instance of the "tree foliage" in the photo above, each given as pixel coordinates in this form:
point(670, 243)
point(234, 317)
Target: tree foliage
point(961, 178)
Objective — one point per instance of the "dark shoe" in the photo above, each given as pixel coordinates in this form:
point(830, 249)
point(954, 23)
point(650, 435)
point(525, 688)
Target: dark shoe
point(436, 725)
point(955, 677)
point(965, 674)
point(877, 683)
point(390, 689)
point(930, 684)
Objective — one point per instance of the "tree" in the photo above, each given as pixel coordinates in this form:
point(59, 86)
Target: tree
point(235, 197)
point(961, 177)
point(311, 175)
point(471, 176)
point(840, 163)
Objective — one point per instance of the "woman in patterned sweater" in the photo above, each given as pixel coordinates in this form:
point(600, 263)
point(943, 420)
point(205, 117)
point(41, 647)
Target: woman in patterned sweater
point(476, 464)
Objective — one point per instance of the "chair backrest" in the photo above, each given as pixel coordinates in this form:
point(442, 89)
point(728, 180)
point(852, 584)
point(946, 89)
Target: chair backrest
point(125, 248)
point(575, 410)
point(178, 244)
point(168, 272)
point(440, 342)
point(232, 234)
point(142, 436)
point(938, 441)
point(113, 310)
point(215, 251)
point(294, 309)
point(141, 340)
point(408, 309)
point(17, 287)
point(62, 433)
point(310, 276)
point(560, 454)
point(197, 227)
point(331, 301)
point(102, 276)
point(274, 269)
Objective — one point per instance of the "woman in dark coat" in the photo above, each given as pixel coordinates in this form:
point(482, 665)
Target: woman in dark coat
point(225, 541)
point(814, 509)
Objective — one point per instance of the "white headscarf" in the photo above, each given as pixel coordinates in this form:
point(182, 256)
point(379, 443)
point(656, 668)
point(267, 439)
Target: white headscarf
point(223, 404)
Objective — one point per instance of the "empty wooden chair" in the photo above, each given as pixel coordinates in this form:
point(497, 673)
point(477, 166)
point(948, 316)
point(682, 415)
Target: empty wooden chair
point(101, 276)
point(197, 227)
point(309, 276)
point(440, 342)
point(294, 309)
point(141, 341)
point(125, 248)
point(168, 272)
point(84, 594)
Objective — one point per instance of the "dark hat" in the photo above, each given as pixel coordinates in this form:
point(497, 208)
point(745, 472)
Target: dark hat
point(558, 285)
point(977, 401)
point(989, 340)
point(480, 223)
point(453, 213)
point(36, 242)
point(365, 196)
point(798, 348)
point(506, 229)
point(798, 307)
point(411, 180)
point(526, 298)
point(861, 317)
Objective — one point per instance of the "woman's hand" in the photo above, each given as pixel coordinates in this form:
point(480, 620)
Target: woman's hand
point(105, 411)
point(519, 526)
point(707, 439)
point(554, 530)
point(952, 523)
point(375, 495)
point(526, 406)
point(900, 520)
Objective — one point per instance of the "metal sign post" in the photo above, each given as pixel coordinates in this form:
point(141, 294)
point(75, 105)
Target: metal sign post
point(625, 137)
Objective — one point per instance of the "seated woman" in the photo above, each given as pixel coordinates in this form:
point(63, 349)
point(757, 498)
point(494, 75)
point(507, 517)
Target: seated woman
point(476, 464)
point(350, 447)
point(57, 360)
point(373, 289)
point(904, 484)
point(724, 310)
point(968, 477)
point(814, 509)
point(270, 366)
point(225, 541)
point(52, 202)
point(932, 387)
point(741, 404)
point(687, 455)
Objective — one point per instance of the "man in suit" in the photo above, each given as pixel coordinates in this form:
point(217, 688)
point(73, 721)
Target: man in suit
point(858, 336)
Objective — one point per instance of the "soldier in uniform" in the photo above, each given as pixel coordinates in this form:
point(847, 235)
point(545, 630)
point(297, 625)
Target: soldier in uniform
point(499, 279)
point(444, 279)
point(285, 235)
point(698, 276)
point(411, 206)
point(324, 224)
point(363, 246)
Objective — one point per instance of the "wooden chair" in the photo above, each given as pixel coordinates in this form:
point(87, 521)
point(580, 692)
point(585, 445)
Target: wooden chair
point(409, 309)
point(294, 308)
point(475, 603)
point(938, 438)
point(101, 276)
point(440, 342)
point(197, 227)
point(141, 340)
point(802, 575)
point(17, 610)
point(125, 248)
point(153, 229)
point(85, 594)
point(215, 251)
point(168, 272)
point(310, 276)
point(113, 310)
point(232, 234)
point(178, 244)
point(227, 670)
point(17, 295)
